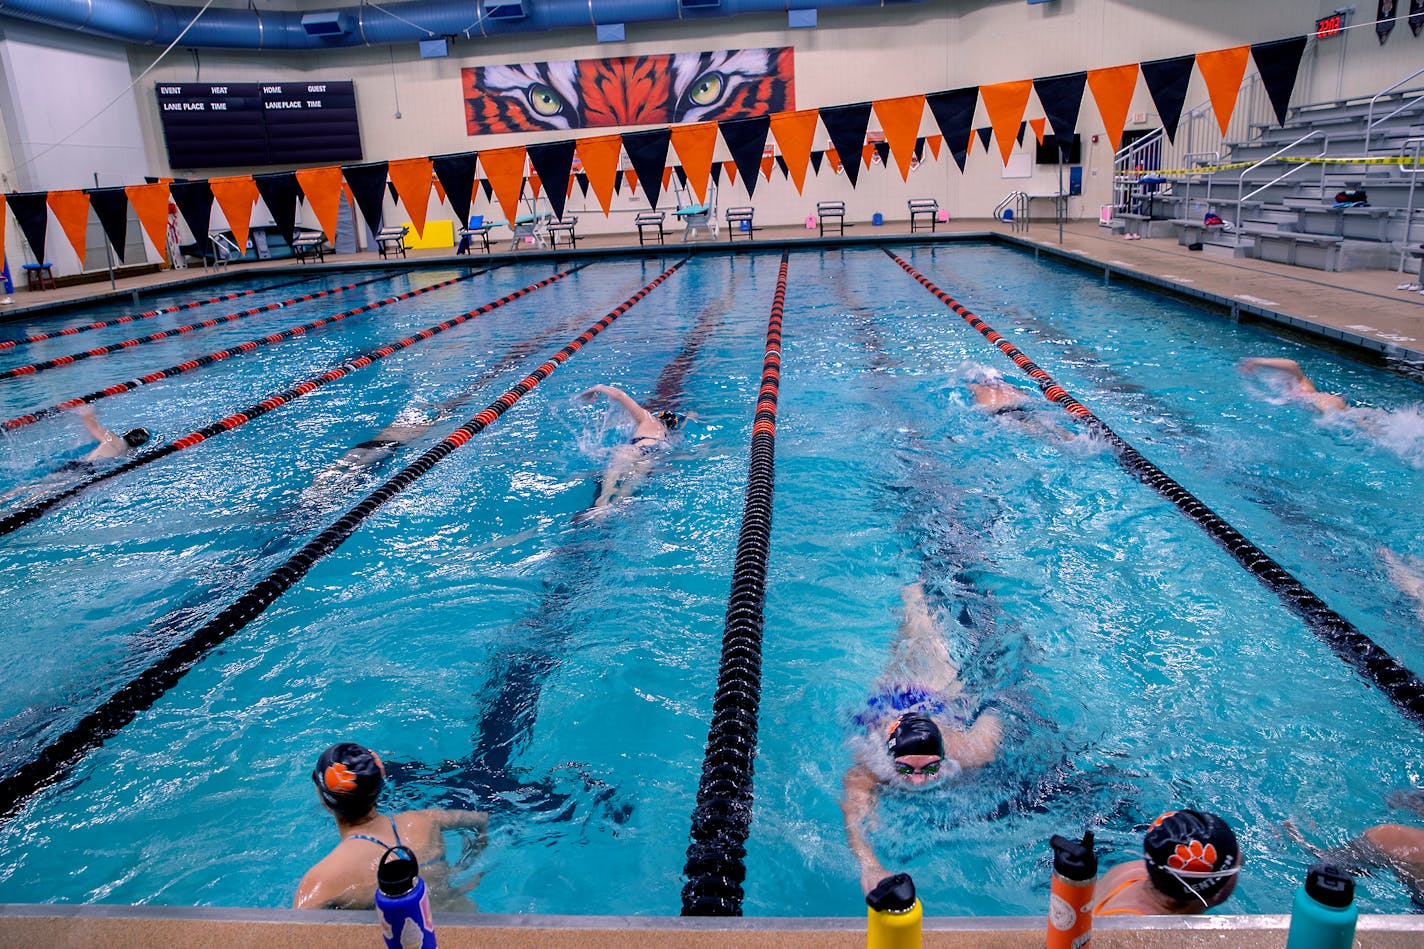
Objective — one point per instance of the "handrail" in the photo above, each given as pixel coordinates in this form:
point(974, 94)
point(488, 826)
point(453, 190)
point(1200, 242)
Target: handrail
point(1415, 144)
point(1403, 107)
point(1241, 178)
point(1369, 116)
point(1019, 200)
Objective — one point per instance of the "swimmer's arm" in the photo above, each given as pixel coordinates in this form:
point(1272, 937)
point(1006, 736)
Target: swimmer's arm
point(91, 424)
point(980, 745)
point(623, 399)
point(315, 892)
point(856, 804)
point(458, 820)
point(1288, 366)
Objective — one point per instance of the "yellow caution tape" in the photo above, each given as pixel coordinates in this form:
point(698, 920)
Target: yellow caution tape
point(1305, 160)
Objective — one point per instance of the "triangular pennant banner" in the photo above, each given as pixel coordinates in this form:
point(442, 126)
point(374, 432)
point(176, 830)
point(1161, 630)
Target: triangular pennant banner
point(815, 158)
point(935, 142)
point(717, 174)
point(111, 207)
point(730, 167)
point(1037, 125)
point(535, 185)
point(648, 153)
point(1167, 81)
point(150, 204)
point(504, 169)
point(919, 149)
point(71, 210)
point(582, 180)
point(457, 174)
point(1023, 126)
point(630, 178)
point(600, 164)
point(410, 177)
point(368, 190)
point(322, 187)
point(618, 175)
point(439, 188)
point(695, 145)
point(795, 133)
point(1112, 88)
point(783, 167)
point(1279, 63)
point(768, 162)
point(883, 150)
point(554, 162)
point(900, 121)
point(681, 176)
point(1223, 70)
point(746, 140)
point(846, 125)
point(236, 196)
point(279, 192)
point(391, 187)
point(667, 176)
point(487, 188)
point(1005, 103)
point(954, 114)
point(834, 158)
point(986, 134)
point(1062, 98)
point(195, 203)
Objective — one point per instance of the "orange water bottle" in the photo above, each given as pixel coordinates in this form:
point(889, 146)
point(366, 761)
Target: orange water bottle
point(1070, 907)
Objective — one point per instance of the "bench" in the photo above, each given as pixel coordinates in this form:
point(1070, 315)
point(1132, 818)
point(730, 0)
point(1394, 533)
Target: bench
point(830, 214)
point(1191, 231)
point(1316, 251)
point(310, 247)
point(927, 208)
point(390, 240)
point(564, 226)
point(1144, 226)
point(650, 221)
point(1367, 223)
point(477, 231)
point(739, 221)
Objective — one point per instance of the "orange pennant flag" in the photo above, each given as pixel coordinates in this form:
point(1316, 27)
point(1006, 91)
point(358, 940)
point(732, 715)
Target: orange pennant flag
point(900, 121)
point(936, 141)
point(411, 176)
point(667, 176)
point(1037, 125)
point(569, 191)
point(768, 162)
point(1005, 103)
point(71, 210)
point(439, 188)
point(322, 188)
point(600, 162)
point(867, 154)
point(729, 168)
point(1112, 88)
point(1223, 70)
point(504, 169)
point(150, 204)
point(630, 177)
point(694, 145)
point(833, 159)
point(795, 134)
point(535, 184)
point(236, 196)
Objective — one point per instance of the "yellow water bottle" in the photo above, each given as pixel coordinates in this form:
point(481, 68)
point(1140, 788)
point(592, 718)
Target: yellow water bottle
point(895, 915)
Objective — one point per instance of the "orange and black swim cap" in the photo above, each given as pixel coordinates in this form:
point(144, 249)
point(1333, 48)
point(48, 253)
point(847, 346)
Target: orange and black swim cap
point(1192, 855)
point(349, 778)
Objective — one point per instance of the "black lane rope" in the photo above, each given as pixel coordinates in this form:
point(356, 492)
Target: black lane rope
point(73, 358)
point(145, 315)
point(716, 855)
point(32, 512)
point(1400, 685)
point(191, 364)
point(140, 693)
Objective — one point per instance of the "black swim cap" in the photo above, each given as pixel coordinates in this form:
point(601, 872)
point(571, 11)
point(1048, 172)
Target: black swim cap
point(1192, 852)
point(349, 777)
point(136, 437)
point(669, 419)
point(915, 734)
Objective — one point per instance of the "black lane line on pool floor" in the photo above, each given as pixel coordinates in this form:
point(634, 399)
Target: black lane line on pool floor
point(1400, 685)
point(721, 822)
point(73, 358)
point(32, 512)
point(149, 686)
point(119, 388)
point(146, 314)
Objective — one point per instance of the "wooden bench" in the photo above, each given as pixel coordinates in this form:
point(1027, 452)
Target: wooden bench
point(927, 208)
point(650, 221)
point(309, 247)
point(1316, 251)
point(564, 226)
point(739, 222)
point(390, 240)
point(830, 214)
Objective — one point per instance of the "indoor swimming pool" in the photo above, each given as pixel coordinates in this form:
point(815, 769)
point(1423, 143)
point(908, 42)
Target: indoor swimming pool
point(501, 651)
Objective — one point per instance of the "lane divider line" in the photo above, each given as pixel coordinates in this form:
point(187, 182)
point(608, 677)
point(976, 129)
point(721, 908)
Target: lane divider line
point(1400, 685)
point(140, 693)
point(721, 822)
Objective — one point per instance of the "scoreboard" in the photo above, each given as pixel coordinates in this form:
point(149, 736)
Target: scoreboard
point(232, 124)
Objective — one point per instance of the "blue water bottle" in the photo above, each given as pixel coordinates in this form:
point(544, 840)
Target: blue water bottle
point(1324, 913)
point(402, 905)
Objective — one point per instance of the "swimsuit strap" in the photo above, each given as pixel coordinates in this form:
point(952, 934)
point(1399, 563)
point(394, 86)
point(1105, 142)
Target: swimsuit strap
point(377, 840)
point(1098, 909)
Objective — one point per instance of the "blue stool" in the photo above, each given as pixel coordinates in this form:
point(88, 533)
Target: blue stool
point(37, 275)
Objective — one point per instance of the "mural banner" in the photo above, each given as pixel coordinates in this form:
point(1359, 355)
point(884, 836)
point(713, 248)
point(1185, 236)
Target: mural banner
point(663, 89)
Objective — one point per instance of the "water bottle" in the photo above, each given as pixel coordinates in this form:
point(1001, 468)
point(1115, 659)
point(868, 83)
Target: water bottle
point(1324, 912)
point(894, 915)
point(402, 905)
point(1070, 907)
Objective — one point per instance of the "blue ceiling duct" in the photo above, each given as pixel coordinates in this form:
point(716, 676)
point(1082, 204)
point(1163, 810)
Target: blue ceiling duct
point(156, 24)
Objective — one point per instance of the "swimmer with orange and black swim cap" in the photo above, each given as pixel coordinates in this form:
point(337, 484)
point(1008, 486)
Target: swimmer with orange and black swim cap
point(348, 779)
point(1191, 864)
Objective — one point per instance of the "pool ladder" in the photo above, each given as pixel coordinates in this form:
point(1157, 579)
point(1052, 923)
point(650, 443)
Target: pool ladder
point(1013, 210)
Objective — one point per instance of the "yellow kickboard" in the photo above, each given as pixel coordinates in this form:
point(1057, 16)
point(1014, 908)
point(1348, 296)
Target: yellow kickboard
point(437, 234)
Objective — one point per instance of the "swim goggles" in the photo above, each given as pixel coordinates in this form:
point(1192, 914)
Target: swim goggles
point(931, 768)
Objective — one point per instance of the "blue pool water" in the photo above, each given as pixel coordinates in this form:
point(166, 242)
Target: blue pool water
point(499, 655)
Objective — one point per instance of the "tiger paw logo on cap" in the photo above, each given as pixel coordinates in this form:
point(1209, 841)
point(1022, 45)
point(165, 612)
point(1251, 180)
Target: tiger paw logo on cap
point(339, 779)
point(1192, 856)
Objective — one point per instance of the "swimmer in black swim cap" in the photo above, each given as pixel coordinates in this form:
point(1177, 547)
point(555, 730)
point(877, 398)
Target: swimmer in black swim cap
point(348, 779)
point(110, 445)
point(1192, 862)
point(630, 463)
point(136, 437)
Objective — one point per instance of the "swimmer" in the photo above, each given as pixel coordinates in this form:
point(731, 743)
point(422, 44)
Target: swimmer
point(1406, 573)
point(917, 728)
point(1005, 400)
point(409, 424)
point(1301, 388)
point(348, 782)
point(1395, 847)
point(631, 462)
point(1192, 863)
point(71, 472)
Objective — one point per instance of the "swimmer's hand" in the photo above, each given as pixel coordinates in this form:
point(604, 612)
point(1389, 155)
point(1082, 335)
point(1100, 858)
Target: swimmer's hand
point(870, 877)
point(591, 395)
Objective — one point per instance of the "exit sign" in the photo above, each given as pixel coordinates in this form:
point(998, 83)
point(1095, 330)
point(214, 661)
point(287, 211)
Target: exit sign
point(1329, 25)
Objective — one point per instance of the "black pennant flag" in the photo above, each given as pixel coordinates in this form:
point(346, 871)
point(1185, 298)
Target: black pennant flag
point(31, 212)
point(681, 175)
point(111, 207)
point(618, 181)
point(553, 162)
point(1022, 127)
point(816, 158)
point(488, 189)
point(457, 176)
point(1278, 63)
point(391, 187)
point(1167, 81)
point(882, 149)
point(746, 140)
point(785, 169)
point(1061, 98)
point(920, 149)
point(195, 203)
point(279, 192)
point(582, 180)
point(954, 114)
point(717, 173)
point(846, 125)
point(368, 187)
point(986, 135)
point(648, 153)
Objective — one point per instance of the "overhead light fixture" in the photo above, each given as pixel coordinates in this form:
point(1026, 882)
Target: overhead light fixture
point(610, 32)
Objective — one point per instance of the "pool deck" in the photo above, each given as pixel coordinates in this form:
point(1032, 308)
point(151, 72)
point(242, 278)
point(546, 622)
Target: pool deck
point(1362, 308)
point(1358, 309)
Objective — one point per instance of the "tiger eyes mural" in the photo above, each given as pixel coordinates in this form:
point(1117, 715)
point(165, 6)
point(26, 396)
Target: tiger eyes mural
point(630, 90)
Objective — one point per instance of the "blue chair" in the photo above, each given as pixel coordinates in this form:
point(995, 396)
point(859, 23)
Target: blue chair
point(37, 275)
